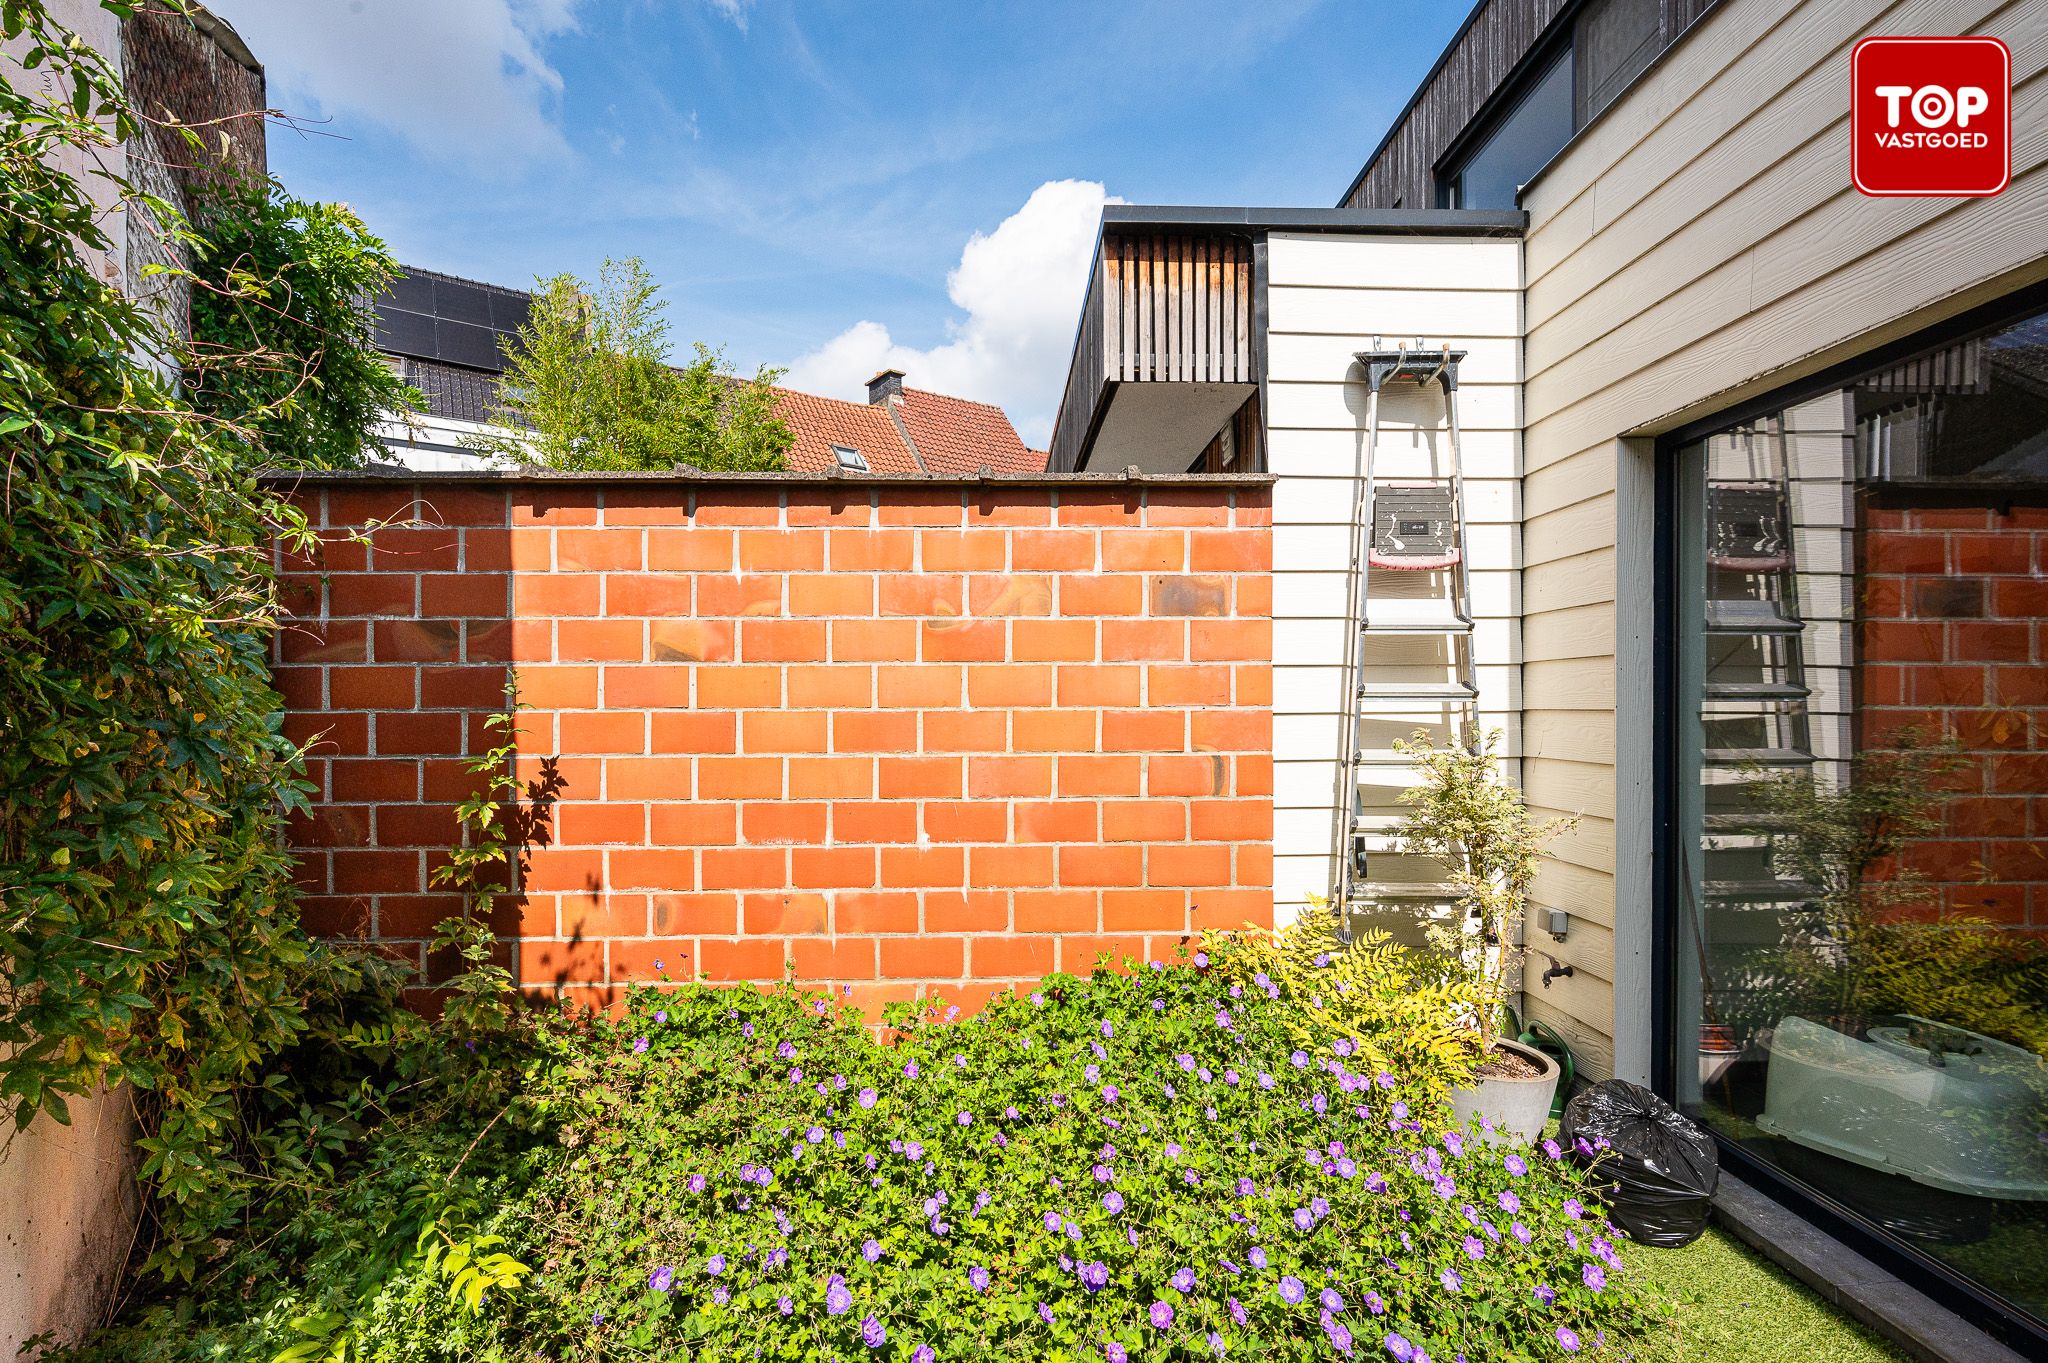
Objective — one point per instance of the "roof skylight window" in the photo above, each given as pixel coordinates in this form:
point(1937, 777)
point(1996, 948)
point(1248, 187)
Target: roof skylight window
point(850, 458)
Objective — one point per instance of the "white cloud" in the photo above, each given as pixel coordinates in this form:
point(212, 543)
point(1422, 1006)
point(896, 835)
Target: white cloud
point(1019, 291)
point(733, 10)
point(463, 80)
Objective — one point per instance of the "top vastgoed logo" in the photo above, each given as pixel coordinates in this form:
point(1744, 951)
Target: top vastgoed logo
point(1931, 117)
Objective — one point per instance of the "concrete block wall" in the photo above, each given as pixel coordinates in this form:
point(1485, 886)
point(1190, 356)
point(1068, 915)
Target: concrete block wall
point(902, 738)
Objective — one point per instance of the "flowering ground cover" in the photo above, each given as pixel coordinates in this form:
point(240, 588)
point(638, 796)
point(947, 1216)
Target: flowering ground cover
point(1145, 1165)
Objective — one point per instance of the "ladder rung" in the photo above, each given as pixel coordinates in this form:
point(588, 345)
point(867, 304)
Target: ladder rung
point(1756, 691)
point(1381, 757)
point(1429, 891)
point(1750, 617)
point(1758, 891)
point(1414, 563)
point(1762, 757)
point(1419, 691)
point(1414, 617)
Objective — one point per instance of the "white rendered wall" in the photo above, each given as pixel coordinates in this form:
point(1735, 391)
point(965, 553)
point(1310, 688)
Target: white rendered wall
point(1328, 296)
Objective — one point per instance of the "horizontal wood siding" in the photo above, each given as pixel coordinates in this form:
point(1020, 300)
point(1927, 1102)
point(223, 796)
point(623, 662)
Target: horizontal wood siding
point(1698, 244)
point(1327, 297)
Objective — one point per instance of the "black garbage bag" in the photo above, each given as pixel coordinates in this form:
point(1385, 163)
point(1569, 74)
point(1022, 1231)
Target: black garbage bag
point(1653, 1167)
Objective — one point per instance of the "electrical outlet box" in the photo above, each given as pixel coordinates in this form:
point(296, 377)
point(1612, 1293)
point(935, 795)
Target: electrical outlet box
point(1556, 922)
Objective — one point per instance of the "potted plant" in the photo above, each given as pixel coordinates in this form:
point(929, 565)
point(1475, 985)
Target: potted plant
point(1479, 829)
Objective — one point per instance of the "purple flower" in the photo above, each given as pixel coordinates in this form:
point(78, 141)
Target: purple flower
point(1291, 1290)
point(1375, 1303)
point(640, 1046)
point(871, 1249)
point(923, 1354)
point(871, 1333)
point(965, 1119)
point(1186, 1062)
point(977, 1278)
point(1173, 1149)
point(1245, 1188)
point(1509, 1202)
point(1515, 1165)
point(837, 1299)
point(1574, 1208)
point(1552, 1149)
point(1266, 1081)
point(696, 1183)
point(1257, 1257)
point(1545, 1293)
point(1473, 1248)
point(1566, 1340)
point(1094, 1275)
point(1595, 1276)
point(1237, 1311)
point(1216, 1343)
point(910, 1070)
point(719, 1296)
point(1520, 1232)
point(1183, 1280)
point(1045, 1313)
point(661, 1279)
point(1161, 1315)
point(1109, 1093)
point(1113, 1352)
point(715, 1265)
point(867, 1098)
point(1299, 1059)
point(1330, 1300)
point(1450, 1279)
point(1400, 1348)
point(1112, 1202)
point(1339, 1336)
point(1304, 1219)
point(1052, 1221)
point(785, 1305)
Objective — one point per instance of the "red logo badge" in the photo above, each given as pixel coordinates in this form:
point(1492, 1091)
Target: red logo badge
point(1931, 117)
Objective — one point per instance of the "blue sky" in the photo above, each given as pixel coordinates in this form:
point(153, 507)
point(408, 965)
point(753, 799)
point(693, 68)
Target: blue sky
point(827, 186)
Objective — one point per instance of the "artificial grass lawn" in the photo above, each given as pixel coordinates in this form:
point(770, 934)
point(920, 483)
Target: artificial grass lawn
point(1734, 1307)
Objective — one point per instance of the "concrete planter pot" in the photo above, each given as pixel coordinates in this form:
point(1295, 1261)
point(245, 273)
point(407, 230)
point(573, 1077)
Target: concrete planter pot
point(1518, 1108)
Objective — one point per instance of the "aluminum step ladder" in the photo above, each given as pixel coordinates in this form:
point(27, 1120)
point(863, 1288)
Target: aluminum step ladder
point(1402, 525)
point(1754, 688)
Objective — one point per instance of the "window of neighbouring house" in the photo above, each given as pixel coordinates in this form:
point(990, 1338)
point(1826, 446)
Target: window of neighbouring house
point(1859, 768)
point(1613, 41)
point(1518, 145)
point(849, 458)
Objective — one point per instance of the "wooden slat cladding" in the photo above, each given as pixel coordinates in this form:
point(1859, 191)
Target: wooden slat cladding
point(1161, 308)
point(1482, 59)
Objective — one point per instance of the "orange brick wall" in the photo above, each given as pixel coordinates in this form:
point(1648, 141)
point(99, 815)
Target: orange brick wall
point(1955, 640)
point(907, 738)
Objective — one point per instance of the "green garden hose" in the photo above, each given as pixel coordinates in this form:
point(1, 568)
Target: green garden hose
point(1544, 1038)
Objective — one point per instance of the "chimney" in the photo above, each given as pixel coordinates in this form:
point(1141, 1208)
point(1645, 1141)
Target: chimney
point(885, 385)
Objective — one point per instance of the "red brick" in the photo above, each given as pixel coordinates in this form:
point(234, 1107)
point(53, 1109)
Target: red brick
point(872, 551)
point(1198, 684)
point(570, 869)
point(964, 731)
point(709, 824)
point(782, 641)
point(604, 641)
point(542, 506)
point(1144, 731)
point(650, 594)
point(1144, 821)
point(1901, 641)
point(1033, 731)
point(1901, 552)
point(655, 868)
point(922, 594)
point(1230, 640)
point(1990, 641)
point(828, 687)
point(842, 506)
point(738, 687)
point(921, 867)
point(1084, 774)
point(464, 688)
point(744, 868)
point(1102, 594)
point(1189, 864)
point(1090, 507)
point(966, 911)
point(372, 594)
point(1201, 774)
point(483, 594)
point(738, 778)
point(1056, 820)
point(966, 821)
point(1080, 955)
point(856, 731)
point(831, 778)
point(963, 551)
point(375, 779)
point(360, 688)
point(833, 958)
point(403, 549)
point(696, 731)
point(831, 595)
point(918, 685)
point(922, 958)
point(919, 506)
point(732, 506)
point(1093, 684)
point(1230, 551)
point(646, 778)
point(1068, 551)
point(1144, 911)
point(690, 551)
point(996, 778)
point(560, 962)
point(2007, 552)
point(781, 551)
point(1011, 867)
point(1214, 730)
point(1231, 820)
point(598, 550)
point(1143, 551)
point(785, 914)
point(833, 868)
point(2019, 597)
point(1105, 866)
point(690, 641)
point(1057, 641)
point(877, 911)
point(1146, 640)
point(873, 641)
point(784, 821)
point(784, 731)
point(604, 731)
point(1007, 957)
point(963, 640)
point(1057, 910)
point(874, 821)
point(1228, 909)
point(402, 733)
point(586, 823)
point(746, 959)
point(997, 685)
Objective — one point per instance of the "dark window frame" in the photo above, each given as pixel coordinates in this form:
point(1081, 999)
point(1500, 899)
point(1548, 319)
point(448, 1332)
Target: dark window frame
point(1929, 1275)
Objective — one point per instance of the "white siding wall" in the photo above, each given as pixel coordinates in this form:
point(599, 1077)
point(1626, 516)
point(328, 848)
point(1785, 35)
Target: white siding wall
point(1699, 244)
point(1327, 297)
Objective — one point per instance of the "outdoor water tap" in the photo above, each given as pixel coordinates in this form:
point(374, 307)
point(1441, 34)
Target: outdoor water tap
point(1556, 969)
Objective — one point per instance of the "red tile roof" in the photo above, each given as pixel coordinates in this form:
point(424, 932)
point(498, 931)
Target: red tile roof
point(820, 423)
point(956, 436)
point(946, 435)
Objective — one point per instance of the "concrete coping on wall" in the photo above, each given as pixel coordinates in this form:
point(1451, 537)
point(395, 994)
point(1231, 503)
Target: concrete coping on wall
point(385, 474)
